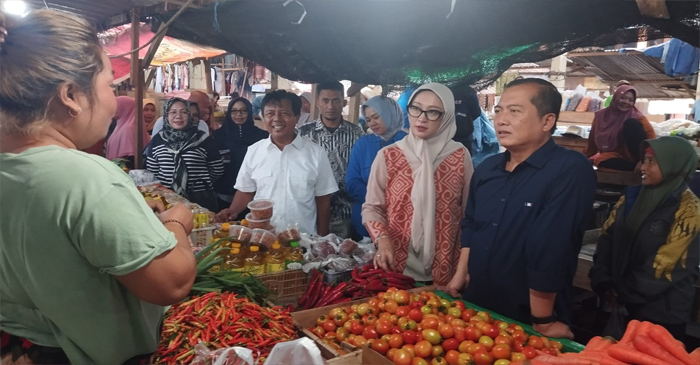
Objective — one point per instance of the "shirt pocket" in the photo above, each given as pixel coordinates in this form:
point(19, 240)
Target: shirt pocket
point(303, 185)
point(264, 181)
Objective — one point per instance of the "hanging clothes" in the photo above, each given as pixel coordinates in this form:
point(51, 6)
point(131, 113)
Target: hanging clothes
point(184, 76)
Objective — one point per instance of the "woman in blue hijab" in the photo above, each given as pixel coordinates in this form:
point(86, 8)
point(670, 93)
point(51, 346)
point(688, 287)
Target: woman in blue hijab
point(385, 119)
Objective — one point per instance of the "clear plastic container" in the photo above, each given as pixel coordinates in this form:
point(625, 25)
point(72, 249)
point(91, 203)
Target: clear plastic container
point(255, 261)
point(255, 223)
point(240, 234)
point(275, 259)
point(294, 257)
point(235, 260)
point(288, 234)
point(262, 237)
point(261, 209)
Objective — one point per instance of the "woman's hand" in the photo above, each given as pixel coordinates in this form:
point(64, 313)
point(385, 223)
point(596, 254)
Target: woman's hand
point(179, 213)
point(385, 254)
point(457, 284)
point(156, 206)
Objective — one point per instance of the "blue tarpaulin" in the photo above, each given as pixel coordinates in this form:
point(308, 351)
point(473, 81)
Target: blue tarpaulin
point(678, 57)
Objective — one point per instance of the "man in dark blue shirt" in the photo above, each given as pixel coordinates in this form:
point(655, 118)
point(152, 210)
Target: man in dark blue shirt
point(526, 215)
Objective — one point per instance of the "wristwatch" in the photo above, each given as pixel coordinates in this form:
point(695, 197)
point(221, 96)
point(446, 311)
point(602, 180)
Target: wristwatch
point(543, 320)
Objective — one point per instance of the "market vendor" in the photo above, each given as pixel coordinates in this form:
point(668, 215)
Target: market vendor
point(618, 131)
point(286, 168)
point(417, 192)
point(648, 252)
point(527, 212)
point(236, 135)
point(85, 265)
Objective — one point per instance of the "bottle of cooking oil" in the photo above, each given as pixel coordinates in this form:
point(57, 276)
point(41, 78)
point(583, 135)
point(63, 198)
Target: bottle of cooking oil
point(275, 259)
point(294, 257)
point(235, 261)
point(221, 233)
point(255, 261)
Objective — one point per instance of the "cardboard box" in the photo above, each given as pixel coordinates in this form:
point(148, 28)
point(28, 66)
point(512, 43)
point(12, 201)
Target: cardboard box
point(372, 357)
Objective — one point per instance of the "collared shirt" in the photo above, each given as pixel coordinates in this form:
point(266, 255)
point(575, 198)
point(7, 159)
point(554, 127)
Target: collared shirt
point(292, 178)
point(524, 229)
point(337, 144)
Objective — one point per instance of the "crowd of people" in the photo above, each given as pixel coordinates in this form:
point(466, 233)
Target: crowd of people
point(505, 235)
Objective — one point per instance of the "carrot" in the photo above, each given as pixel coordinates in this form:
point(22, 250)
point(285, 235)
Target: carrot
point(549, 359)
point(661, 336)
point(599, 343)
point(695, 355)
point(630, 332)
point(644, 329)
point(600, 357)
point(592, 343)
point(626, 354)
point(646, 345)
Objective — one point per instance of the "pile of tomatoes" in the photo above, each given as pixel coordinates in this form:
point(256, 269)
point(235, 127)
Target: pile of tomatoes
point(422, 329)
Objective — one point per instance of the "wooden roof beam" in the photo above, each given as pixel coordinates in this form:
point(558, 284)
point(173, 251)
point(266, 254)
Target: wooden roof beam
point(653, 8)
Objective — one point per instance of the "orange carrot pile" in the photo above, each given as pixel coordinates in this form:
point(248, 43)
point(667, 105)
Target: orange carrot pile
point(643, 343)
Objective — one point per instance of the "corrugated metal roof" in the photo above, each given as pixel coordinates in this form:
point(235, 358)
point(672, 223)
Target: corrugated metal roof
point(95, 11)
point(644, 72)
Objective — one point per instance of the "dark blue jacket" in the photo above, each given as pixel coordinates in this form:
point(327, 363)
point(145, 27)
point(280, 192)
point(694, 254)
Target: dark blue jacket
point(232, 141)
point(361, 157)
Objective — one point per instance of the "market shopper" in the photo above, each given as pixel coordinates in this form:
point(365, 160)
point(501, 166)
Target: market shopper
point(236, 135)
point(287, 169)
point(149, 117)
point(89, 286)
point(184, 158)
point(527, 213)
point(121, 143)
point(336, 136)
point(648, 252)
point(385, 119)
point(305, 109)
point(196, 109)
point(618, 131)
point(417, 192)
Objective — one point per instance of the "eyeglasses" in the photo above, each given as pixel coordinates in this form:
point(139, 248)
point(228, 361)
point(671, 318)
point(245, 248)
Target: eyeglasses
point(183, 113)
point(432, 115)
point(239, 111)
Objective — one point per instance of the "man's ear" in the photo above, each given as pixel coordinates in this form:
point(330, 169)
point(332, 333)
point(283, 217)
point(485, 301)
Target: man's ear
point(549, 121)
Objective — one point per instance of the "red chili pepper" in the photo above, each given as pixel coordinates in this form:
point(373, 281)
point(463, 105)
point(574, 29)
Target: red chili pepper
point(368, 267)
point(370, 273)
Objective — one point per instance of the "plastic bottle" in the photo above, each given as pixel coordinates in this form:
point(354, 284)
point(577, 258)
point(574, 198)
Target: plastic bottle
point(294, 255)
point(275, 259)
point(255, 262)
point(235, 261)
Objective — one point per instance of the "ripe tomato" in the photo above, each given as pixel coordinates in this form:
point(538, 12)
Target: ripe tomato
point(380, 346)
point(396, 330)
point(396, 341)
point(466, 359)
point(402, 297)
point(438, 351)
point(384, 327)
point(341, 334)
point(452, 357)
point(519, 336)
point(394, 319)
point(411, 350)
point(518, 357)
point(466, 315)
point(370, 332)
point(417, 304)
point(518, 347)
point(373, 302)
point(485, 316)
point(410, 337)
point(556, 345)
point(501, 325)
point(403, 311)
point(472, 333)
point(321, 320)
point(419, 361)
point(432, 336)
point(390, 306)
point(450, 344)
point(337, 310)
point(446, 331)
point(359, 341)
point(487, 342)
point(492, 331)
point(529, 352)
point(464, 346)
point(390, 354)
point(319, 331)
point(329, 326)
point(552, 352)
point(503, 340)
point(353, 316)
point(340, 319)
point(476, 347)
point(386, 338)
point(458, 323)
point(501, 352)
point(535, 342)
point(502, 362)
point(459, 332)
point(423, 349)
point(460, 304)
point(415, 314)
point(402, 357)
point(438, 361)
point(362, 309)
point(483, 358)
point(330, 336)
point(430, 323)
point(433, 303)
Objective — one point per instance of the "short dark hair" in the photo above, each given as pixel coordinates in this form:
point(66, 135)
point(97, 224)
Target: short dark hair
point(330, 85)
point(547, 100)
point(278, 95)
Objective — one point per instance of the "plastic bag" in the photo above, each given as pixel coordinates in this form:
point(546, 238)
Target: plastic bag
point(227, 356)
point(339, 263)
point(617, 323)
point(347, 247)
point(485, 141)
point(364, 254)
point(142, 177)
point(298, 352)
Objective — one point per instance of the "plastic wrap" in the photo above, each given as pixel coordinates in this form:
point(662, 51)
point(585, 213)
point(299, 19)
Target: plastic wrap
point(364, 254)
point(298, 352)
point(143, 177)
point(347, 247)
point(227, 356)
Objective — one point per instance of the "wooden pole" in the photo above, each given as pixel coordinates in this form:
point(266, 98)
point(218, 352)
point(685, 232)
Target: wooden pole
point(137, 82)
point(354, 105)
point(207, 74)
point(314, 109)
point(274, 82)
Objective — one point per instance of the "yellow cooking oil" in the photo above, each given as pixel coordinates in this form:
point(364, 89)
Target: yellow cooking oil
point(235, 260)
point(294, 257)
point(275, 259)
point(255, 261)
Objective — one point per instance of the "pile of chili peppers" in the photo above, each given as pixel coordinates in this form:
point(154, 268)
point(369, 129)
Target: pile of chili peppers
point(366, 282)
point(221, 321)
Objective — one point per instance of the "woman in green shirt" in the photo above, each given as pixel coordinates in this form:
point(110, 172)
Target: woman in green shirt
point(85, 265)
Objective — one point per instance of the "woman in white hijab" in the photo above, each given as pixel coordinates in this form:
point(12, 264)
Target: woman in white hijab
point(305, 108)
point(417, 192)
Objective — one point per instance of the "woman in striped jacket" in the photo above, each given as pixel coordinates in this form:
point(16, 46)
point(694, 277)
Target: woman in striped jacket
point(183, 157)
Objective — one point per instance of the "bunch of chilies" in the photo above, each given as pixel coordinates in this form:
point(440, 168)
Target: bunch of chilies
point(366, 282)
point(222, 320)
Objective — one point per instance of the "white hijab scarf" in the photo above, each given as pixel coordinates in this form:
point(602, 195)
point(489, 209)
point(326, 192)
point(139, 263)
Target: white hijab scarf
point(429, 153)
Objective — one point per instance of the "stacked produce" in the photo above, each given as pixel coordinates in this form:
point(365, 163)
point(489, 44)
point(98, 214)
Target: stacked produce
point(643, 343)
point(366, 282)
point(421, 329)
point(220, 321)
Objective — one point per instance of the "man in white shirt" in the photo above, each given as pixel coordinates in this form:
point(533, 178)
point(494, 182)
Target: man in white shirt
point(287, 169)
